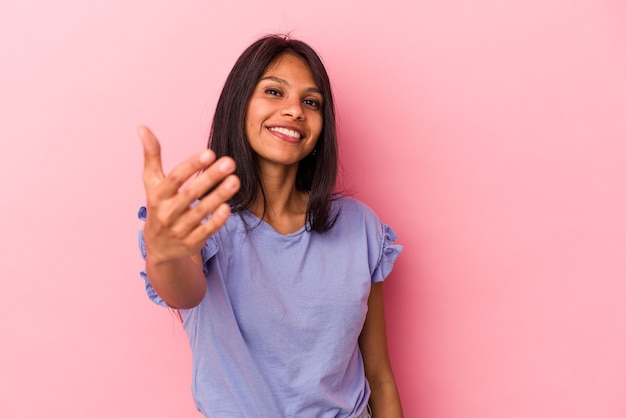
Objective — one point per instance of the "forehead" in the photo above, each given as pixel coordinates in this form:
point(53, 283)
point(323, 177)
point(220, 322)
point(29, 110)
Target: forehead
point(291, 66)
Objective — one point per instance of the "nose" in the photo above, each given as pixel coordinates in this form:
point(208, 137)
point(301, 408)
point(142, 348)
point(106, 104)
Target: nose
point(293, 109)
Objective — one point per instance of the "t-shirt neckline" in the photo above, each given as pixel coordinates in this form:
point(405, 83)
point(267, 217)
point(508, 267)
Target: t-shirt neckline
point(258, 222)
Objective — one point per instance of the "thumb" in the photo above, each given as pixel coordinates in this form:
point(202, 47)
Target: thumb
point(152, 166)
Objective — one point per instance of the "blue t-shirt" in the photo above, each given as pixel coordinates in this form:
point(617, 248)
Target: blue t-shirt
point(276, 334)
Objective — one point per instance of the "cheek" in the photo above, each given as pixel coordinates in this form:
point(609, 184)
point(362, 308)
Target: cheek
point(250, 121)
point(255, 114)
point(319, 124)
point(252, 110)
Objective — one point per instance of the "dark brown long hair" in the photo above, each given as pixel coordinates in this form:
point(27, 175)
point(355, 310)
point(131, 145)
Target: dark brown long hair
point(317, 172)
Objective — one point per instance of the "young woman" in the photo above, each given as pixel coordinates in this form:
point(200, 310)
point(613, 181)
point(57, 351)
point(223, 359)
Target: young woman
point(278, 280)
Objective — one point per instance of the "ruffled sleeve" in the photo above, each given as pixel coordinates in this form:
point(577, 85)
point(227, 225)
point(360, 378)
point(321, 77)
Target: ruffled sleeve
point(387, 256)
point(207, 252)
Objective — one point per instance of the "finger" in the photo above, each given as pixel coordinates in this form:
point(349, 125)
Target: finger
point(152, 166)
point(203, 231)
point(222, 193)
point(209, 205)
point(180, 174)
point(207, 180)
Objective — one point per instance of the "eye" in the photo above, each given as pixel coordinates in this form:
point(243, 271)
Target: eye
point(272, 92)
point(312, 102)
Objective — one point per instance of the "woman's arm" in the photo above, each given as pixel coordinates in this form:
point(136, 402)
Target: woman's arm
point(175, 232)
point(385, 399)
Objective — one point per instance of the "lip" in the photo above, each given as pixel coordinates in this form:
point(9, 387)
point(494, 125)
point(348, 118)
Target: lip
point(285, 137)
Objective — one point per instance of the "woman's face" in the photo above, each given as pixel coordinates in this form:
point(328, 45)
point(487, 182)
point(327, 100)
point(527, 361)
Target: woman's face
point(284, 117)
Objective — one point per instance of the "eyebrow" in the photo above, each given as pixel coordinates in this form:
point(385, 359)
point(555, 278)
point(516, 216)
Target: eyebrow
point(286, 83)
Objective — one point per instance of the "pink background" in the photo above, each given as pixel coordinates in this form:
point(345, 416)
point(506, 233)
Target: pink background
point(490, 135)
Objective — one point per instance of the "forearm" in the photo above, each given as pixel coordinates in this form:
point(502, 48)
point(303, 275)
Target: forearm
point(180, 282)
point(385, 400)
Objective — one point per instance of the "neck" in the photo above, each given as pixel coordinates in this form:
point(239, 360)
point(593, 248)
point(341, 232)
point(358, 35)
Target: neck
point(284, 206)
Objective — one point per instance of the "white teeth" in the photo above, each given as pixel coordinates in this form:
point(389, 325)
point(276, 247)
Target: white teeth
point(285, 131)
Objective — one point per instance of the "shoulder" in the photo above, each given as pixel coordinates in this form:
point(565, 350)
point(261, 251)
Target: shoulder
point(350, 208)
point(357, 220)
point(363, 232)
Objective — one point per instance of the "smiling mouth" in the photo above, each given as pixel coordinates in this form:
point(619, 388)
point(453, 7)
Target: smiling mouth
point(288, 132)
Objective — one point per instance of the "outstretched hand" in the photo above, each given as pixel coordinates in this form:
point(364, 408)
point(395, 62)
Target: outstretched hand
point(174, 229)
